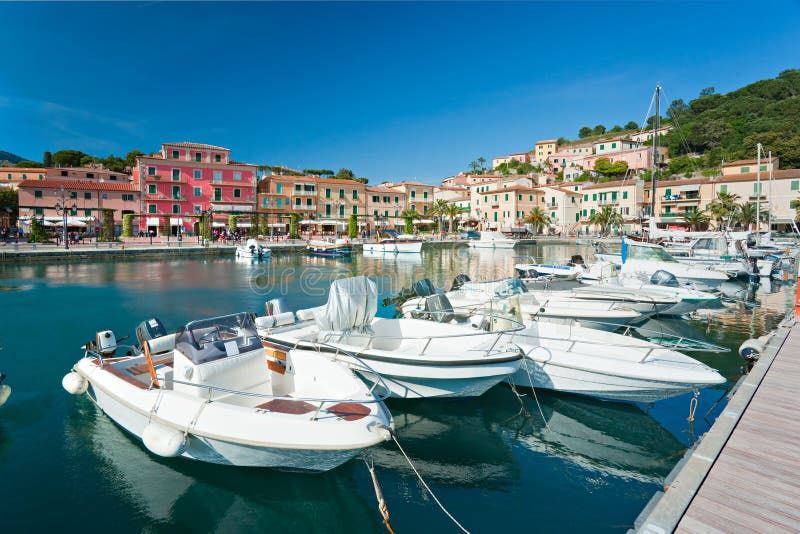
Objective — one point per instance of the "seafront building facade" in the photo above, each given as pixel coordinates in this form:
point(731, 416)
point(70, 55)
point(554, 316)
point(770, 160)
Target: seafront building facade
point(11, 177)
point(185, 181)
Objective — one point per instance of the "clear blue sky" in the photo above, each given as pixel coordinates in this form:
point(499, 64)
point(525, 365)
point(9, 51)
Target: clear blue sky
point(393, 91)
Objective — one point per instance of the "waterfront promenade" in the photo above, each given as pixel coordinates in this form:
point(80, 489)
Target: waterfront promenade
point(744, 476)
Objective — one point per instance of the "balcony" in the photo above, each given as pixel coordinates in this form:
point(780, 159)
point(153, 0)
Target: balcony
point(305, 207)
point(676, 199)
point(757, 198)
point(672, 214)
point(551, 206)
point(607, 201)
point(152, 178)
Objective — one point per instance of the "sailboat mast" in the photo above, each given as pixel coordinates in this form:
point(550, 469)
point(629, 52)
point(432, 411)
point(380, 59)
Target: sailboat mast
point(758, 189)
point(655, 165)
point(769, 195)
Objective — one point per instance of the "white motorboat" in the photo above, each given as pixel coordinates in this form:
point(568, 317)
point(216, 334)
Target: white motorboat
point(602, 278)
point(474, 298)
point(641, 260)
point(213, 392)
point(415, 358)
point(5, 390)
point(492, 240)
point(390, 242)
point(251, 250)
point(604, 365)
point(532, 271)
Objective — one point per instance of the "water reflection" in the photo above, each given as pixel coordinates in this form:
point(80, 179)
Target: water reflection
point(610, 438)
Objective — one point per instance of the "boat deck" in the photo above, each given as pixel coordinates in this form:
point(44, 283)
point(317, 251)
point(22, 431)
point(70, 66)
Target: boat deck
point(744, 476)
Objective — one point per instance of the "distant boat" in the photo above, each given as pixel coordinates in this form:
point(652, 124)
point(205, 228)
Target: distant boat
point(492, 240)
point(336, 249)
point(389, 241)
point(252, 250)
point(5, 390)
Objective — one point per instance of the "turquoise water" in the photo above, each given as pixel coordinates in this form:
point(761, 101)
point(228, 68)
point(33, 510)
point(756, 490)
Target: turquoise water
point(65, 465)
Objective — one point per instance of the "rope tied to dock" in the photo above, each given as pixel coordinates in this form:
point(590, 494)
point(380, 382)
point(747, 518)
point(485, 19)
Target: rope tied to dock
point(693, 406)
point(424, 484)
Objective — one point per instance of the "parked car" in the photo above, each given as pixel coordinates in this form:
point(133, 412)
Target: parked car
point(470, 234)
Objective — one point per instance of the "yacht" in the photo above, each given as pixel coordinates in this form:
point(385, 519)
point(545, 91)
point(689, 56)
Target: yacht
point(414, 357)
point(534, 271)
point(213, 392)
point(337, 248)
point(640, 260)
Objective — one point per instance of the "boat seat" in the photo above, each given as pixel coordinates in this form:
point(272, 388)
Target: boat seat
point(241, 372)
point(143, 368)
point(271, 321)
point(309, 314)
point(162, 345)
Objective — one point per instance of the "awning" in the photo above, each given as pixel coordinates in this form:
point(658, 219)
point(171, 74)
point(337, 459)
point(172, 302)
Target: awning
point(695, 187)
point(175, 221)
point(277, 225)
point(152, 221)
point(243, 224)
point(306, 221)
point(425, 221)
point(217, 224)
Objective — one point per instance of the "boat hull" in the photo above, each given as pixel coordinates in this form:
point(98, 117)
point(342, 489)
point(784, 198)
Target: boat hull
point(409, 247)
point(332, 251)
point(492, 244)
point(598, 385)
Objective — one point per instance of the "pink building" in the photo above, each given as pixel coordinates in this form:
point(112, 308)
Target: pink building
point(638, 159)
point(185, 180)
point(464, 180)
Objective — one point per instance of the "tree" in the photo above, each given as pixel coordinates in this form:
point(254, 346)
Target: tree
point(352, 226)
point(318, 172)
point(632, 125)
point(606, 219)
point(127, 225)
point(68, 158)
point(37, 231)
point(294, 225)
point(696, 219)
point(345, 174)
point(107, 226)
point(677, 108)
point(474, 166)
point(26, 163)
point(707, 91)
point(562, 141)
point(747, 214)
point(795, 205)
point(437, 210)
point(232, 223)
point(452, 211)
point(599, 130)
point(9, 203)
point(608, 169)
point(130, 158)
point(482, 162)
point(584, 132)
point(616, 129)
point(409, 216)
point(47, 159)
point(538, 218)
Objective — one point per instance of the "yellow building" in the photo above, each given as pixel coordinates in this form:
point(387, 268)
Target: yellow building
point(625, 197)
point(543, 150)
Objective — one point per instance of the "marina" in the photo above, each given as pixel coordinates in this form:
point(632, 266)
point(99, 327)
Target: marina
point(478, 455)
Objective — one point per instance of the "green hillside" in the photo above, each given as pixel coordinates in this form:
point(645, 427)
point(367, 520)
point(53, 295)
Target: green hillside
point(730, 125)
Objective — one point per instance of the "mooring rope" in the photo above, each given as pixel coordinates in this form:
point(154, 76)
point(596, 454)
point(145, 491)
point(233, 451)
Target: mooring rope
point(425, 485)
point(693, 406)
point(379, 496)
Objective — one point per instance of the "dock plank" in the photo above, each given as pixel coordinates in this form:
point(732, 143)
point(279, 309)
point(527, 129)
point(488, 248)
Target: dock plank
point(754, 482)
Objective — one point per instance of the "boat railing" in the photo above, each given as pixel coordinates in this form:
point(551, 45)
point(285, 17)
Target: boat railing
point(129, 351)
point(514, 326)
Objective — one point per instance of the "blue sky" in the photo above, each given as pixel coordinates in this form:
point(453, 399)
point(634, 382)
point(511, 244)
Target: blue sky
point(391, 90)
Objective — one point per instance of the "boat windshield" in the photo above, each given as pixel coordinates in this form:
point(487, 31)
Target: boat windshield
point(636, 252)
point(386, 233)
point(218, 337)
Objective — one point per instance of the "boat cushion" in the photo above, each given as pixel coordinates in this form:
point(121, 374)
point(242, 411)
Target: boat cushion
point(281, 319)
point(162, 345)
point(308, 313)
point(241, 372)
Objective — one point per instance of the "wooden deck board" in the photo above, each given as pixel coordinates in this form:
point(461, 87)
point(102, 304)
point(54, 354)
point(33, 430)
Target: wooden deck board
point(754, 484)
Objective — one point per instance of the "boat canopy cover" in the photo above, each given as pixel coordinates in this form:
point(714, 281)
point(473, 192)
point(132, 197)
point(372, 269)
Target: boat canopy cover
point(218, 337)
point(352, 304)
point(424, 288)
point(499, 288)
point(459, 281)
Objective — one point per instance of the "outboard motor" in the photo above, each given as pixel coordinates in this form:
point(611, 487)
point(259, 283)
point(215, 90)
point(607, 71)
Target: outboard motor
point(423, 288)
point(577, 259)
point(149, 329)
point(276, 306)
point(106, 343)
point(459, 281)
point(664, 278)
point(439, 309)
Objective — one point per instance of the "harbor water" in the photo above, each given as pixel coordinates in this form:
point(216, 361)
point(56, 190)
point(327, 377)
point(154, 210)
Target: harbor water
point(575, 464)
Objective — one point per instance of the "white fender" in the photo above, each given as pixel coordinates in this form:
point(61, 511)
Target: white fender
point(74, 383)
point(163, 441)
point(5, 391)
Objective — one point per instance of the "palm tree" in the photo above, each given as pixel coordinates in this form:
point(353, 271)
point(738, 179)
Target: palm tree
point(724, 207)
point(481, 162)
point(452, 211)
point(409, 216)
point(606, 219)
point(718, 212)
point(437, 210)
point(696, 219)
point(795, 205)
point(746, 214)
point(538, 218)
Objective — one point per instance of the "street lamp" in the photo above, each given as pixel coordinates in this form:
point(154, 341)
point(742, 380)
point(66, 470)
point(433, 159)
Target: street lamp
point(336, 204)
point(62, 209)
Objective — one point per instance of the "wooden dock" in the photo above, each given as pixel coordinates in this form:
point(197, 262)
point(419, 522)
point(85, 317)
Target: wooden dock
point(744, 475)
